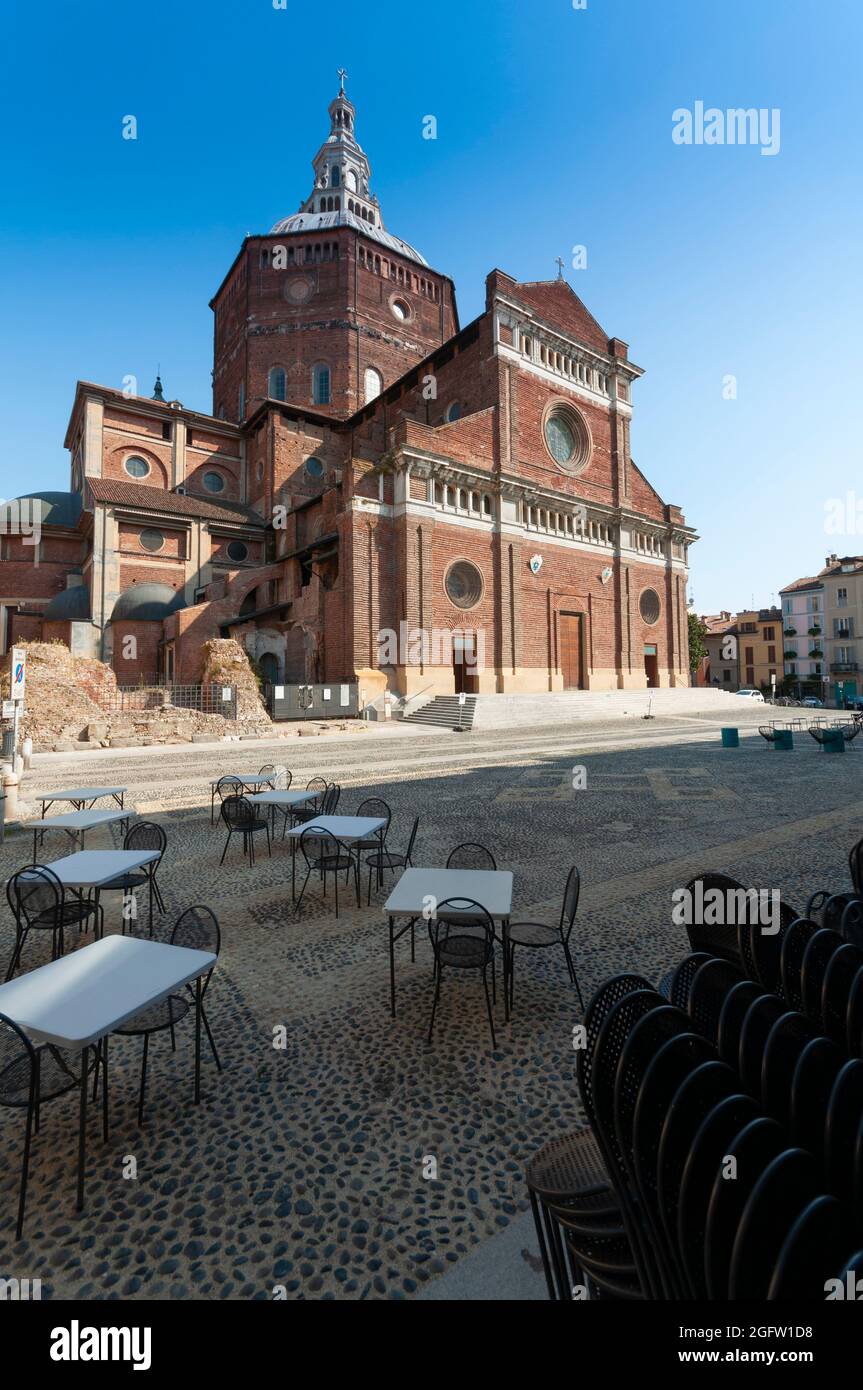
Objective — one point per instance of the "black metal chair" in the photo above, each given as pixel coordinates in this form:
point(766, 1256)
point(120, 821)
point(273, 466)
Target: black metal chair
point(734, 1009)
point(301, 814)
point(792, 951)
point(30, 1076)
point(814, 1250)
point(710, 986)
point(765, 949)
point(325, 854)
point(815, 1076)
point(570, 1173)
point(612, 1039)
point(39, 903)
point(760, 1017)
point(676, 984)
point(681, 1095)
point(719, 939)
point(270, 770)
point(854, 1019)
point(471, 856)
point(851, 924)
point(198, 930)
point(229, 786)
point(855, 866)
point(816, 958)
point(242, 818)
point(781, 1194)
point(462, 938)
point(704, 1160)
point(330, 799)
point(768, 733)
point(842, 1128)
point(145, 835)
point(392, 859)
point(751, 1149)
point(790, 1034)
point(536, 935)
point(377, 807)
point(840, 975)
point(661, 1034)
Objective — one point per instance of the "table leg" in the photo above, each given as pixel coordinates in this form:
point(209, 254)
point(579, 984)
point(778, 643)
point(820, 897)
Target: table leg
point(293, 868)
point(392, 970)
point(150, 876)
point(504, 932)
point(212, 804)
point(105, 1088)
point(198, 1001)
point(82, 1130)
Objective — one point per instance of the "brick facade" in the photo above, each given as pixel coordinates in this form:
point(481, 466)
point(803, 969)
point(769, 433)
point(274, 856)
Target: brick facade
point(485, 496)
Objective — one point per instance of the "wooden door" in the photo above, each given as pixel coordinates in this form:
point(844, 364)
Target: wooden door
point(570, 650)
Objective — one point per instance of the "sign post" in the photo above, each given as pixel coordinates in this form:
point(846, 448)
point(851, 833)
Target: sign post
point(18, 678)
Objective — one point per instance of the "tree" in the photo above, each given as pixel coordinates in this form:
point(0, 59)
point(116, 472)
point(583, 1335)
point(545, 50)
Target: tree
point(697, 649)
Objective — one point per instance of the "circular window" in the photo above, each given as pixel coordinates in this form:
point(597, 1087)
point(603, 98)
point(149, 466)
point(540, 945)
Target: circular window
point(238, 551)
point(453, 412)
point(567, 438)
point(463, 584)
point(298, 290)
point(151, 539)
point(400, 309)
point(214, 482)
point(136, 467)
point(649, 606)
point(314, 468)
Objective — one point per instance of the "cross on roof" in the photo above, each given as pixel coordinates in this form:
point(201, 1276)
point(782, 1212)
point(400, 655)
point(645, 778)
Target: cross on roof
point(559, 264)
point(342, 75)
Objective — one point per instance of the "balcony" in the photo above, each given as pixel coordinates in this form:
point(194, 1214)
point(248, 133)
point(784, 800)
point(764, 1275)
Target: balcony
point(843, 668)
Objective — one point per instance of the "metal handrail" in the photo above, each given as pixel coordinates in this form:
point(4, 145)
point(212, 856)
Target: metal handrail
point(407, 698)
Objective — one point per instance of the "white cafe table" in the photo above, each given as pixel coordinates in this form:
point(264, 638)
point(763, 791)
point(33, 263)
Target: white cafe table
point(78, 1000)
point(284, 800)
point(97, 868)
point(348, 829)
point(419, 891)
point(82, 797)
point(246, 779)
point(76, 824)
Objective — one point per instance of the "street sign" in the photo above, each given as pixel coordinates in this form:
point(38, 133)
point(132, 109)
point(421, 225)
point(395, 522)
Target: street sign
point(8, 709)
point(19, 672)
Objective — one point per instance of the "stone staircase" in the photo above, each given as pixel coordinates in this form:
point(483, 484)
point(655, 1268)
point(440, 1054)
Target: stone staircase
point(446, 712)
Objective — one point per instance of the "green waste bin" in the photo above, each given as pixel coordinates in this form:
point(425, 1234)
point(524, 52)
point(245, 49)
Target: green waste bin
point(783, 739)
point(833, 741)
point(730, 738)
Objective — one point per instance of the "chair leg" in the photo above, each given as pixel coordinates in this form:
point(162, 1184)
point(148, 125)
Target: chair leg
point(438, 973)
point(251, 839)
point(173, 1040)
point(225, 850)
point(269, 846)
point(302, 891)
point(413, 944)
point(357, 881)
point(16, 954)
point(210, 1039)
point(511, 974)
point(28, 1133)
point(572, 975)
point(369, 889)
point(143, 1080)
point(336, 882)
point(540, 1238)
point(488, 1007)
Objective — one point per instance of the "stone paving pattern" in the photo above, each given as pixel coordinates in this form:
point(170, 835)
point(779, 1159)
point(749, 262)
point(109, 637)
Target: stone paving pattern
point(303, 1169)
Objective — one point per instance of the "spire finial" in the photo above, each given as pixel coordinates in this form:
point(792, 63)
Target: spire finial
point(157, 389)
point(559, 264)
point(342, 75)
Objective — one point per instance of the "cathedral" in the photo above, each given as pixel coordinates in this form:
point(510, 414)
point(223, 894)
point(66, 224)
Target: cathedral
point(379, 494)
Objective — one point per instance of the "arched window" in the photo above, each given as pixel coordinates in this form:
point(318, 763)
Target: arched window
point(321, 384)
point(351, 181)
point(277, 384)
point(373, 384)
point(335, 176)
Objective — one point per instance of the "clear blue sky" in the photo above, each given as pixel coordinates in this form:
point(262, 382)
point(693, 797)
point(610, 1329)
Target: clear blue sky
point(554, 129)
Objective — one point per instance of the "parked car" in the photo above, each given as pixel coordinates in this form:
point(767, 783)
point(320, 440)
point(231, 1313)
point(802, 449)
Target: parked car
point(751, 694)
point(854, 701)
point(812, 702)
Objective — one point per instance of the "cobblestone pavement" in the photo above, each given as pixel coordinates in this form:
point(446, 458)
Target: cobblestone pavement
point(306, 1167)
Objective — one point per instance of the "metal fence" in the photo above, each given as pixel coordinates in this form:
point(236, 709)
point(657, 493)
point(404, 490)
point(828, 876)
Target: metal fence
point(206, 699)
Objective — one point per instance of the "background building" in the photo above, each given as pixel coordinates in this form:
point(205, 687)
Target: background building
point(803, 636)
point(370, 467)
point(759, 640)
